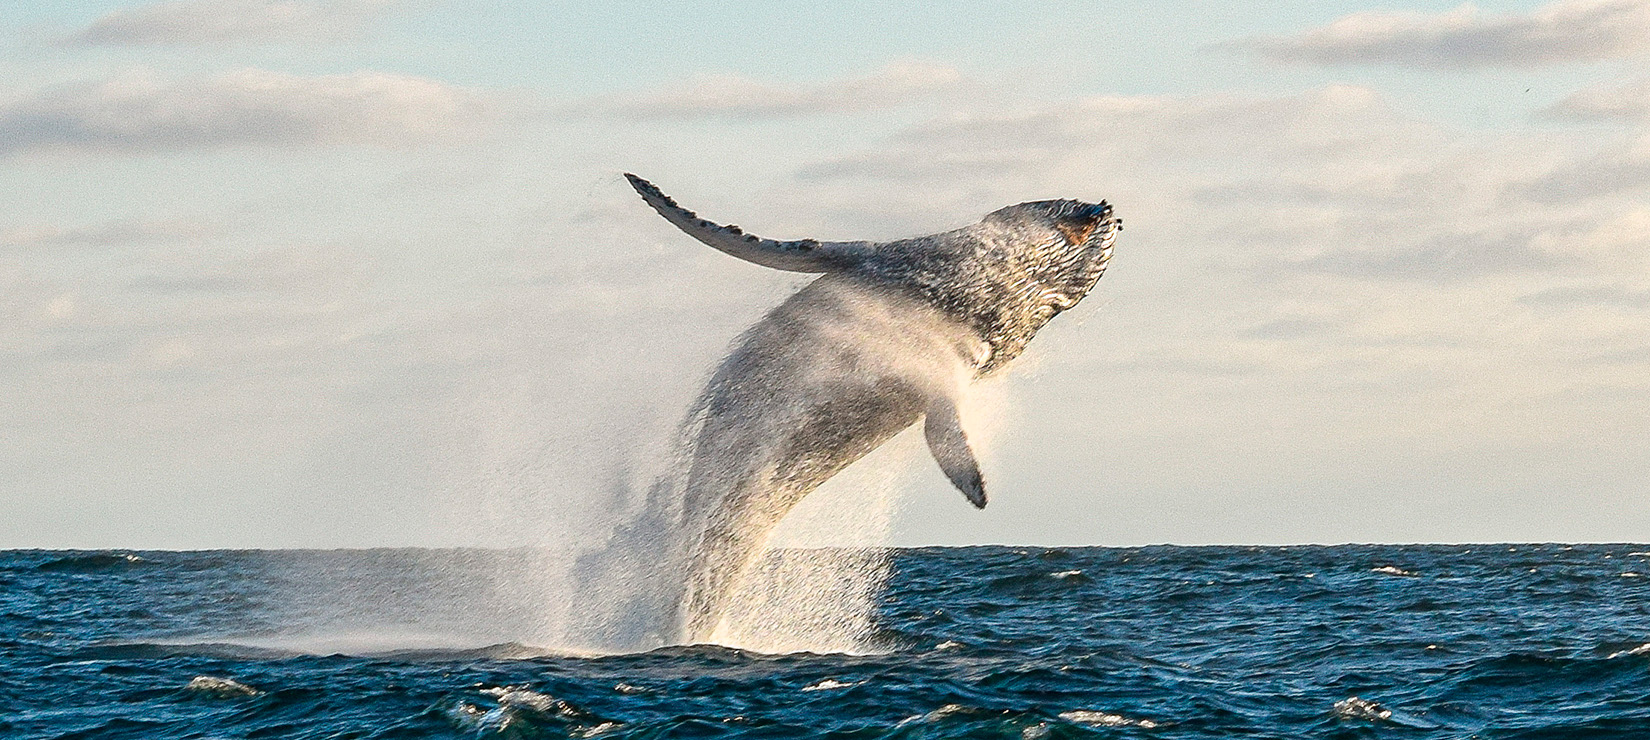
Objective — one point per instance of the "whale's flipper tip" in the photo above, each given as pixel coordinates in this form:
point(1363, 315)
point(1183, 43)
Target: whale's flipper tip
point(949, 444)
point(966, 477)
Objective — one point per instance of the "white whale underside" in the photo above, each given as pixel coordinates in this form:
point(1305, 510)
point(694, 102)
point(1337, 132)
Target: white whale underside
point(829, 376)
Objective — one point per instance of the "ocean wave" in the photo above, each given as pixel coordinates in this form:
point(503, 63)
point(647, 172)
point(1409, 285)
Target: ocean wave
point(985, 642)
point(161, 650)
point(92, 563)
point(1354, 707)
point(1104, 719)
point(226, 688)
point(520, 712)
point(829, 684)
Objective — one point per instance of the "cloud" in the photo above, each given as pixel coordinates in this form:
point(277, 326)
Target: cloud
point(1336, 121)
point(1319, 264)
point(1614, 169)
point(290, 270)
point(108, 234)
point(733, 96)
point(1332, 187)
point(26, 299)
point(136, 112)
point(1630, 102)
point(1563, 31)
point(1591, 296)
point(1294, 327)
point(185, 22)
point(1328, 149)
point(1444, 257)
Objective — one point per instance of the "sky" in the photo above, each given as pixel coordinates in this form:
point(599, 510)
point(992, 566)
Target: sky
point(352, 273)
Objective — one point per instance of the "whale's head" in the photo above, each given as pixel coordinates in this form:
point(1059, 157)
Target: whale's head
point(1019, 267)
point(1059, 247)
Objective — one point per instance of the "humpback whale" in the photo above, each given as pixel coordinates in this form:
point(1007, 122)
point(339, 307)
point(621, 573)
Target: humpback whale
point(890, 333)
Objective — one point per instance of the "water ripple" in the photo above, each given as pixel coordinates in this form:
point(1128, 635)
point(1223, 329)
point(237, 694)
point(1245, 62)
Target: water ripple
point(1525, 641)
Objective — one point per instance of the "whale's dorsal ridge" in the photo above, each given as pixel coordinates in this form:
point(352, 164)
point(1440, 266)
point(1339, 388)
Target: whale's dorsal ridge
point(798, 255)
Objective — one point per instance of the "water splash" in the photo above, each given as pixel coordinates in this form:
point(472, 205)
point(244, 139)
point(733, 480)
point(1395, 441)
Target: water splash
point(825, 379)
point(806, 600)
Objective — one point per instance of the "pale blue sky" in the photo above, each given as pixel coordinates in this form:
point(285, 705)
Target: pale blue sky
point(364, 273)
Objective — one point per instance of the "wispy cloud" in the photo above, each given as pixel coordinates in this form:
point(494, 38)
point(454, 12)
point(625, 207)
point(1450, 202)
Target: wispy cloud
point(1563, 31)
point(1630, 102)
point(1591, 295)
point(290, 270)
point(1331, 187)
point(733, 96)
point(186, 22)
point(1028, 139)
point(1614, 169)
point(1443, 258)
point(111, 233)
point(138, 112)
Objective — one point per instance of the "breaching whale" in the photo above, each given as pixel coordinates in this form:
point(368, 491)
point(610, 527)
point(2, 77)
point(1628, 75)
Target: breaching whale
point(891, 332)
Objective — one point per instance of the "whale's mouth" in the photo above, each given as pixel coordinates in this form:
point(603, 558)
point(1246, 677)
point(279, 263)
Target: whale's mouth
point(1106, 234)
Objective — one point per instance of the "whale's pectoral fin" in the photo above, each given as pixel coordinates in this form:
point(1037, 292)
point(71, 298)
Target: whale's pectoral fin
point(799, 255)
point(950, 447)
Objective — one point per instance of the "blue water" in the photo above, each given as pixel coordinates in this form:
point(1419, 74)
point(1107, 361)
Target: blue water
point(1487, 641)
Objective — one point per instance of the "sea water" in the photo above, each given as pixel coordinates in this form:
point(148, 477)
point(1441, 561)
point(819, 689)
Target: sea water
point(1437, 641)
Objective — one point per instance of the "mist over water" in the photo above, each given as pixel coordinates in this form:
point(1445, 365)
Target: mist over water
point(552, 457)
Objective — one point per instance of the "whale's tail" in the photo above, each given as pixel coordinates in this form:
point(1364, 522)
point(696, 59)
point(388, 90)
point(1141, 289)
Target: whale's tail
point(799, 255)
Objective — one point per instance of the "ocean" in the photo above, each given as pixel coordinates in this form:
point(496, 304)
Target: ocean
point(1349, 641)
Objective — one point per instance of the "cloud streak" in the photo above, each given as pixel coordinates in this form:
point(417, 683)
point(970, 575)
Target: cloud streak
point(1612, 170)
point(202, 22)
point(112, 233)
point(1563, 31)
point(1630, 102)
point(733, 96)
point(136, 112)
point(290, 270)
point(1330, 187)
point(1591, 296)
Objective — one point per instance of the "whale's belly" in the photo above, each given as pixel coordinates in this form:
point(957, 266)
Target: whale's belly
point(744, 508)
point(822, 381)
point(828, 434)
